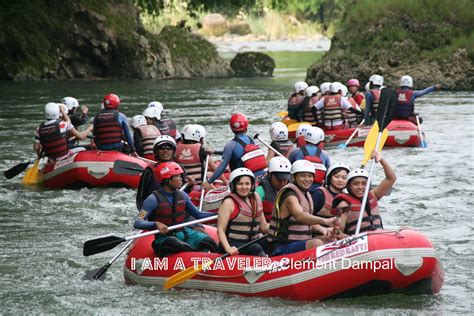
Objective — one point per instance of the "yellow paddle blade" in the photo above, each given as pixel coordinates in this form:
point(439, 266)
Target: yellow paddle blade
point(370, 142)
point(32, 175)
point(288, 121)
point(293, 127)
point(184, 275)
point(282, 114)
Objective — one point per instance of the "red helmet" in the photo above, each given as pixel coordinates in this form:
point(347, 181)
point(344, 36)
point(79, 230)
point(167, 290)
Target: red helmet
point(239, 123)
point(111, 101)
point(167, 170)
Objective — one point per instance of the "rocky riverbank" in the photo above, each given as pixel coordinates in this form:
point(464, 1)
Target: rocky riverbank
point(98, 39)
point(433, 43)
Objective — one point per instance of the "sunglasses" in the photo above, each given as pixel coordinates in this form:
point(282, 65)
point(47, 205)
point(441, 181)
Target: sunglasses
point(165, 148)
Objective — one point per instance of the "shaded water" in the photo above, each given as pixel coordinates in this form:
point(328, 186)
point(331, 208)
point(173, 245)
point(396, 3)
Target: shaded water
point(42, 232)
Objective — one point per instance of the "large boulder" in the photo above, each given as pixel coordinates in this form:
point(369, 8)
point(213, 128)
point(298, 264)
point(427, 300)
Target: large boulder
point(252, 64)
point(214, 24)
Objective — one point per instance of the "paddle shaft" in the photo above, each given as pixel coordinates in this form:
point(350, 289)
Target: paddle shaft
point(204, 177)
point(268, 146)
point(170, 228)
point(353, 133)
point(146, 160)
point(420, 132)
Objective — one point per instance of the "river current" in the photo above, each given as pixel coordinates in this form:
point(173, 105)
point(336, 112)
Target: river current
point(42, 231)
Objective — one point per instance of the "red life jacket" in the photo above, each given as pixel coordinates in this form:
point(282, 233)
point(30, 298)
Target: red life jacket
point(300, 141)
point(171, 125)
point(53, 142)
point(294, 105)
point(283, 146)
point(253, 157)
point(405, 107)
point(107, 129)
point(165, 212)
point(286, 230)
point(332, 109)
point(270, 195)
point(308, 115)
point(320, 168)
point(244, 222)
point(326, 210)
point(371, 219)
point(351, 118)
point(188, 156)
point(375, 102)
point(148, 135)
point(358, 97)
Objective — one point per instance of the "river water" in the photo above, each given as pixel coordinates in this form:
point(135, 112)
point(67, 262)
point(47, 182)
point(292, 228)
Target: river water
point(42, 232)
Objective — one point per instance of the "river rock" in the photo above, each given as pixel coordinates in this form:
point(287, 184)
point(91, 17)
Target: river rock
point(252, 64)
point(214, 25)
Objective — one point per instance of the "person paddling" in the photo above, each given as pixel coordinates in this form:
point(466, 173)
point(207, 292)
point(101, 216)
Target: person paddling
point(349, 204)
point(405, 106)
point(144, 135)
point(372, 97)
point(293, 223)
point(240, 152)
point(165, 124)
point(168, 206)
point(295, 101)
point(51, 135)
point(240, 217)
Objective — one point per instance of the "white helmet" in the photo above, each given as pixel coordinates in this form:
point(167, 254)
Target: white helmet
point(344, 90)
point(376, 80)
point(302, 166)
point(164, 139)
point(138, 120)
point(300, 86)
point(279, 164)
point(335, 87)
point(406, 81)
point(152, 113)
point(311, 90)
point(278, 131)
point(357, 173)
point(241, 172)
point(194, 132)
point(51, 111)
point(70, 102)
point(324, 87)
point(314, 135)
point(367, 86)
point(302, 129)
point(156, 105)
point(333, 167)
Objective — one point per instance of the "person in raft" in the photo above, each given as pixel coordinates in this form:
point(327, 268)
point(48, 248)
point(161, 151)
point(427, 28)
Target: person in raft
point(168, 206)
point(111, 127)
point(144, 135)
point(51, 135)
point(277, 177)
point(280, 141)
point(240, 216)
point(240, 152)
point(405, 107)
point(293, 223)
point(349, 204)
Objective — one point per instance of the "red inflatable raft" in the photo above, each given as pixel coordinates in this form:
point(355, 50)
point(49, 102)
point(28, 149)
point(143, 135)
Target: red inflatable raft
point(94, 168)
point(374, 263)
point(401, 133)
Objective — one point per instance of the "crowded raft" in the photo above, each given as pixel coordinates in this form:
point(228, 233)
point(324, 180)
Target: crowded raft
point(275, 224)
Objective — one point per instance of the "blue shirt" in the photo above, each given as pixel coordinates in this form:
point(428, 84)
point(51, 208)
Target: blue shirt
point(419, 93)
point(232, 155)
point(151, 203)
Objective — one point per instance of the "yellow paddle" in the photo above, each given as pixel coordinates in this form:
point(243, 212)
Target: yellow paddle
point(293, 127)
point(282, 114)
point(190, 272)
point(370, 141)
point(33, 175)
